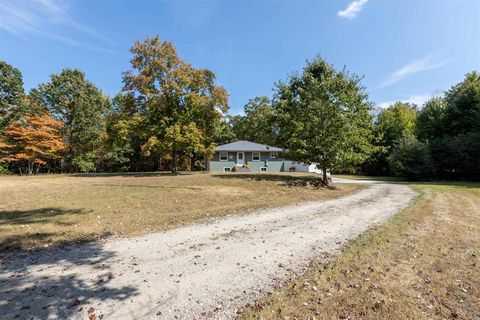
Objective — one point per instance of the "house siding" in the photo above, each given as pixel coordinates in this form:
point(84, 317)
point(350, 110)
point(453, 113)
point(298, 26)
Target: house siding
point(272, 164)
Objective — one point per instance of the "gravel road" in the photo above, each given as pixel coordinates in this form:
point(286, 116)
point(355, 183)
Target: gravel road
point(206, 270)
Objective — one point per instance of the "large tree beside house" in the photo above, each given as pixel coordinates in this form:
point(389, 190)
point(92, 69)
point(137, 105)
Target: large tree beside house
point(323, 116)
point(180, 107)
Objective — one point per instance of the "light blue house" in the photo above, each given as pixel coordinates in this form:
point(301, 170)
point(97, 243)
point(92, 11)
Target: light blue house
point(246, 156)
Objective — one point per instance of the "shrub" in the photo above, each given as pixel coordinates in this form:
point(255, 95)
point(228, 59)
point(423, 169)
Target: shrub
point(411, 159)
point(3, 170)
point(457, 157)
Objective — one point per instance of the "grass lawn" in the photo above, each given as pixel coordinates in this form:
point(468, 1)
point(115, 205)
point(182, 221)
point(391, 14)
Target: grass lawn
point(422, 264)
point(376, 178)
point(49, 210)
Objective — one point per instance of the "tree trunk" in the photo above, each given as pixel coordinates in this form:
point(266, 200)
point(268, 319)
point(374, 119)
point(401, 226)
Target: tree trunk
point(192, 162)
point(207, 161)
point(175, 161)
point(325, 177)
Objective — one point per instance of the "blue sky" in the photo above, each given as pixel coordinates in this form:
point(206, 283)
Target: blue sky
point(406, 50)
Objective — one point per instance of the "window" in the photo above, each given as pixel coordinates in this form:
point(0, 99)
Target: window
point(227, 169)
point(255, 156)
point(263, 169)
point(274, 155)
point(223, 156)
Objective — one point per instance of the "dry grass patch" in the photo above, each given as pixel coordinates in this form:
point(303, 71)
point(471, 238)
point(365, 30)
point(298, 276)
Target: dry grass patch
point(422, 264)
point(49, 210)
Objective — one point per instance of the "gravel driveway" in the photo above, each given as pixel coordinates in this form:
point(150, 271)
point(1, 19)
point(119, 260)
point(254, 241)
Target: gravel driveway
point(206, 270)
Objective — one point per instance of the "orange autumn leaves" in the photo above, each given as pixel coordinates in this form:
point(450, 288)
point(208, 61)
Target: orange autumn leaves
point(32, 139)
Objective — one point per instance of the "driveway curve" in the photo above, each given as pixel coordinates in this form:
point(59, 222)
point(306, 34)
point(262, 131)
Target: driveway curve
point(206, 270)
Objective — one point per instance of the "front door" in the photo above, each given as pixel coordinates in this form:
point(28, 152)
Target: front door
point(240, 158)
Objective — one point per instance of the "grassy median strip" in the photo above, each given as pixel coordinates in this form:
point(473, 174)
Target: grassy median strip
point(422, 264)
point(48, 210)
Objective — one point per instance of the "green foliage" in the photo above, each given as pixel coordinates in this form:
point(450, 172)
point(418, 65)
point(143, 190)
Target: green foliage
point(121, 148)
point(395, 121)
point(448, 128)
point(322, 115)
point(411, 159)
point(3, 170)
point(390, 126)
point(12, 95)
point(457, 157)
point(463, 106)
point(455, 144)
point(70, 97)
point(431, 120)
point(224, 132)
point(257, 123)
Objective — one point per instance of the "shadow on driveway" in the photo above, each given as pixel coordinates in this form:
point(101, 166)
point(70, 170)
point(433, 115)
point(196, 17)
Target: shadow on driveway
point(37, 284)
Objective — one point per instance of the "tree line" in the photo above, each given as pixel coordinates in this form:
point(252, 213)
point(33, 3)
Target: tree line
point(440, 139)
point(170, 116)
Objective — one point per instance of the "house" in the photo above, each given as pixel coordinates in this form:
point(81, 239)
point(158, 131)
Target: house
point(246, 156)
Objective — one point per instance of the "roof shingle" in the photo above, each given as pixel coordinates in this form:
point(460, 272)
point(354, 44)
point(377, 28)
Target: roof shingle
point(243, 145)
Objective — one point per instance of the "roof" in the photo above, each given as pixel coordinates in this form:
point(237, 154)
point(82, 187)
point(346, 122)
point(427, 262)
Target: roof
point(243, 145)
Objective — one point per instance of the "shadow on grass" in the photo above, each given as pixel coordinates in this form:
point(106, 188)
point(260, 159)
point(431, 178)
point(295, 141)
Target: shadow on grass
point(288, 180)
point(34, 216)
point(38, 284)
point(29, 237)
point(140, 186)
point(137, 174)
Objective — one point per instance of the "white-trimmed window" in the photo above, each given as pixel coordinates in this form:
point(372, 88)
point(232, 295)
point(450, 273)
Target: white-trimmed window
point(274, 155)
point(223, 156)
point(255, 156)
point(227, 169)
point(263, 169)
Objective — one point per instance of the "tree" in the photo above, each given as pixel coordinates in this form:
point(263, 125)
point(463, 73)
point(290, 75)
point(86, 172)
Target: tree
point(180, 139)
point(170, 95)
point(411, 159)
point(462, 114)
point(323, 116)
point(81, 106)
point(121, 148)
point(33, 140)
point(431, 120)
point(11, 94)
point(455, 140)
point(391, 125)
point(224, 132)
point(396, 121)
point(457, 157)
point(257, 123)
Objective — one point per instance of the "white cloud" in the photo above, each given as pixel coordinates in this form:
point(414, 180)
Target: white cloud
point(352, 10)
point(44, 18)
point(410, 68)
point(419, 100)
